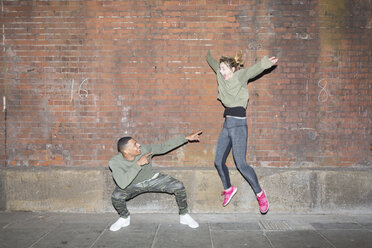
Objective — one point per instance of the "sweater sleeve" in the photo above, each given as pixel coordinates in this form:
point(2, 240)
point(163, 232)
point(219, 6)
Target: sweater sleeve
point(255, 70)
point(168, 145)
point(124, 173)
point(212, 62)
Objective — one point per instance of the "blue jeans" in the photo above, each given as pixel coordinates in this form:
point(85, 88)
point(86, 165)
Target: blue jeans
point(234, 135)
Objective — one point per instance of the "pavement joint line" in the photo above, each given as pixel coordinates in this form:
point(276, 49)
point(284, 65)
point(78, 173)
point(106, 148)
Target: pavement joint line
point(210, 234)
point(155, 236)
point(325, 238)
point(4, 227)
point(264, 234)
point(42, 237)
point(100, 235)
point(15, 222)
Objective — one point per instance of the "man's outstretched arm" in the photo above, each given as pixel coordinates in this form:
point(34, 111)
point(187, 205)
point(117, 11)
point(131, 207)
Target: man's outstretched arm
point(174, 143)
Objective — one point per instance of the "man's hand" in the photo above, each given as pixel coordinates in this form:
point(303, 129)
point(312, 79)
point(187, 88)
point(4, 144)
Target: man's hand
point(144, 159)
point(273, 60)
point(194, 136)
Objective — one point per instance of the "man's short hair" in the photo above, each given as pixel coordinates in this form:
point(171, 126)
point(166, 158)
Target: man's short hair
point(122, 142)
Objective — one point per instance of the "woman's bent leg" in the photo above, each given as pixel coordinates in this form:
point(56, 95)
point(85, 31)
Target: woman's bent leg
point(222, 151)
point(239, 136)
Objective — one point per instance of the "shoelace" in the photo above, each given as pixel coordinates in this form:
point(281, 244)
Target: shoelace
point(262, 199)
point(224, 192)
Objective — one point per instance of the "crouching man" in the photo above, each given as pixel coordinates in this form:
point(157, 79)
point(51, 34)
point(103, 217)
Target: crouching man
point(132, 171)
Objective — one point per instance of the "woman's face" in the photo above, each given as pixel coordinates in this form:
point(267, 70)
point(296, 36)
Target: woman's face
point(226, 71)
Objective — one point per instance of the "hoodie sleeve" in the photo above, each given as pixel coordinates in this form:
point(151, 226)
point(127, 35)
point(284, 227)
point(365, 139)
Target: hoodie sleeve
point(255, 70)
point(213, 63)
point(168, 145)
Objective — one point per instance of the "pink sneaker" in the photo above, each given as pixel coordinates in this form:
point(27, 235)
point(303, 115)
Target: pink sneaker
point(264, 204)
point(229, 195)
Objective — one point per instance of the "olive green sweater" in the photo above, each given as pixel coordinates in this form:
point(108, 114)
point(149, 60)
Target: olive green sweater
point(234, 92)
point(127, 172)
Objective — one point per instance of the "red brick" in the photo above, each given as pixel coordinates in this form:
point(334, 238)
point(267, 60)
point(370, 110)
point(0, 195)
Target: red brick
point(147, 75)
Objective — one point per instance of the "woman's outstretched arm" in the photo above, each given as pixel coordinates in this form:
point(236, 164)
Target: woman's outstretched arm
point(256, 69)
point(212, 62)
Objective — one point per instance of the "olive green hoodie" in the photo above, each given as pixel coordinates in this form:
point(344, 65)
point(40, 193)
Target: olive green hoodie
point(127, 172)
point(234, 92)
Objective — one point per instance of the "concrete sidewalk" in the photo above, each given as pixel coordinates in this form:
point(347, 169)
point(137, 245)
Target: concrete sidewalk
point(21, 229)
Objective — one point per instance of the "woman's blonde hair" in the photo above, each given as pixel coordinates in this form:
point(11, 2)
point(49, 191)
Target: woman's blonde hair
point(236, 61)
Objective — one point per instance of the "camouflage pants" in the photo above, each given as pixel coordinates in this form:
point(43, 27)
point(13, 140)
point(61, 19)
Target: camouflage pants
point(162, 184)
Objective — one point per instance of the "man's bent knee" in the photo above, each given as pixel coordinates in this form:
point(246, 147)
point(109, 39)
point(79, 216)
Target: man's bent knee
point(177, 186)
point(116, 196)
point(180, 186)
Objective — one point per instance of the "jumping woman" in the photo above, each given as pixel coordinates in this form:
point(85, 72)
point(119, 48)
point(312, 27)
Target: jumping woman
point(233, 93)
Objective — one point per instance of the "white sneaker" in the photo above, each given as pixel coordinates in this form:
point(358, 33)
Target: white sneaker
point(121, 222)
point(186, 219)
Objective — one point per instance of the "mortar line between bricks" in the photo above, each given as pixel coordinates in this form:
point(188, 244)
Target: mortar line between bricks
point(100, 235)
point(156, 234)
point(210, 234)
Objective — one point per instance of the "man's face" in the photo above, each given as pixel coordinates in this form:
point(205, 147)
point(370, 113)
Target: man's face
point(132, 148)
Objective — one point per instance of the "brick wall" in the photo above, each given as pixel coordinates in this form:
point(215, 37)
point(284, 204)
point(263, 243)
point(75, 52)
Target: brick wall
point(77, 75)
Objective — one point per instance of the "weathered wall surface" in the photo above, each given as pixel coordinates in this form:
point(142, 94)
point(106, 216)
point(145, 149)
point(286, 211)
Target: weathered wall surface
point(54, 190)
point(77, 75)
point(289, 190)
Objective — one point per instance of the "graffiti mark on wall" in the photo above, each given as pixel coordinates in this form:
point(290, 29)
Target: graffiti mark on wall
point(323, 94)
point(72, 90)
point(83, 93)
